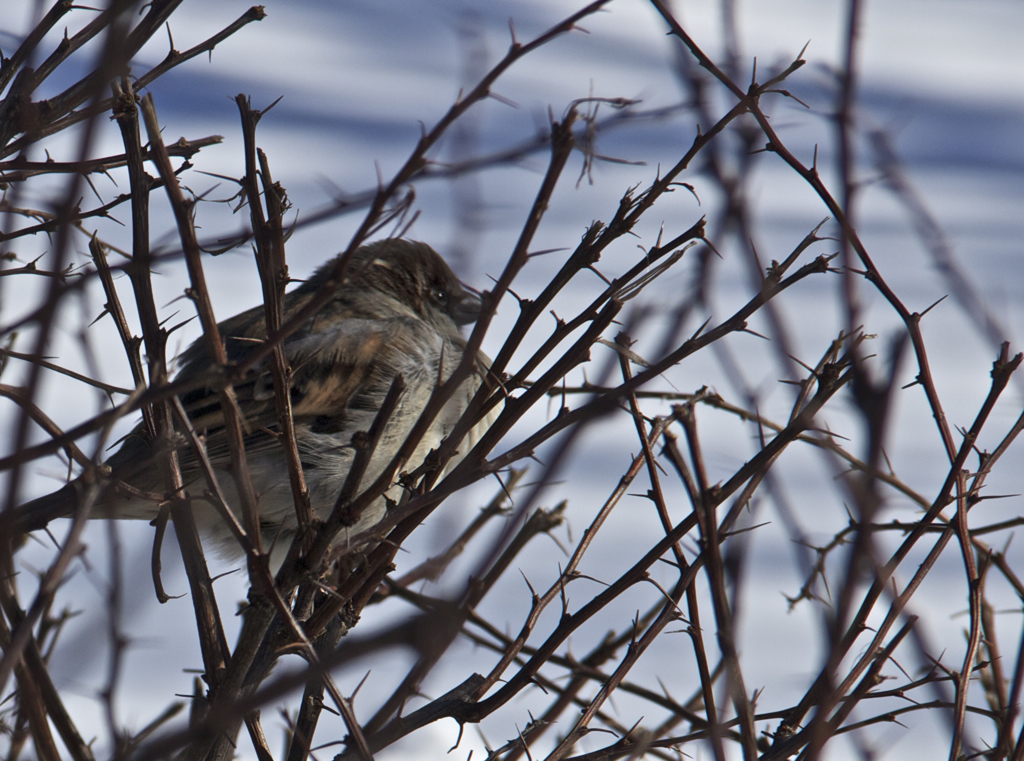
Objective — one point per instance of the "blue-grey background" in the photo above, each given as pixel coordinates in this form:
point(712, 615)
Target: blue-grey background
point(358, 79)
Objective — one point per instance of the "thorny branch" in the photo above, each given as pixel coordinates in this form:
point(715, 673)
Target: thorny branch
point(623, 329)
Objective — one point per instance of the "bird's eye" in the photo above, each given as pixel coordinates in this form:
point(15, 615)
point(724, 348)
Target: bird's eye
point(440, 296)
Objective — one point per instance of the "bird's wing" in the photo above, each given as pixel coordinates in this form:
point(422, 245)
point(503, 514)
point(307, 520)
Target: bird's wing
point(336, 373)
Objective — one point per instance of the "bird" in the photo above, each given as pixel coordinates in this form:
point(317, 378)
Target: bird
point(398, 311)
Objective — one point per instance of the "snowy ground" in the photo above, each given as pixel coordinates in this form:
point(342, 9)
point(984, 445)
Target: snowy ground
point(359, 78)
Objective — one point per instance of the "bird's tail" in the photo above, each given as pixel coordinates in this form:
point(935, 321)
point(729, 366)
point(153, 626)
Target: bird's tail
point(36, 514)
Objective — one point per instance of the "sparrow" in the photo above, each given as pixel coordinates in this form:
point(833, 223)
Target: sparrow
point(398, 312)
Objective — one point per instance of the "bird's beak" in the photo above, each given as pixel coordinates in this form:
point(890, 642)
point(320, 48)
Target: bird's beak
point(467, 308)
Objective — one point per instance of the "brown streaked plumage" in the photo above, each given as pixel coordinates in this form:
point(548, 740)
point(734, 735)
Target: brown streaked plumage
point(398, 311)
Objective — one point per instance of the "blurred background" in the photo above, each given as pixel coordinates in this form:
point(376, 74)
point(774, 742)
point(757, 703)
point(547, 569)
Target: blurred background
point(941, 85)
